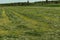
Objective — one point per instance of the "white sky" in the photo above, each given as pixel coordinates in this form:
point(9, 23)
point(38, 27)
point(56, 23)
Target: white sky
point(10, 1)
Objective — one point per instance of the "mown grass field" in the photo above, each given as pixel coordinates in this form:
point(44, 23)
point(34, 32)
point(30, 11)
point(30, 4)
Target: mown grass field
point(29, 23)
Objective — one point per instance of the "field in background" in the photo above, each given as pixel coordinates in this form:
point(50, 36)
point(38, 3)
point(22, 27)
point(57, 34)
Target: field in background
point(29, 23)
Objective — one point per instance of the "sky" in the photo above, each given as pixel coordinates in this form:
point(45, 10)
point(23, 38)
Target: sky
point(10, 1)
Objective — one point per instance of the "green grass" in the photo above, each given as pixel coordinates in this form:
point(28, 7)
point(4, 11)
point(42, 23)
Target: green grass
point(29, 23)
point(52, 5)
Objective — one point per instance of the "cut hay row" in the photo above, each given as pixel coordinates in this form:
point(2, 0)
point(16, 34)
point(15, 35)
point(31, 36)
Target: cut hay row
point(24, 23)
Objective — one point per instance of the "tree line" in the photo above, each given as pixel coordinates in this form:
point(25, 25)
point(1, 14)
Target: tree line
point(30, 4)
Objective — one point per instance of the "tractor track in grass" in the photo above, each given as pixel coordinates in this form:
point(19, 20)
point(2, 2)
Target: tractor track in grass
point(30, 22)
point(26, 19)
point(43, 32)
point(22, 16)
point(40, 18)
point(14, 16)
point(44, 18)
point(23, 19)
